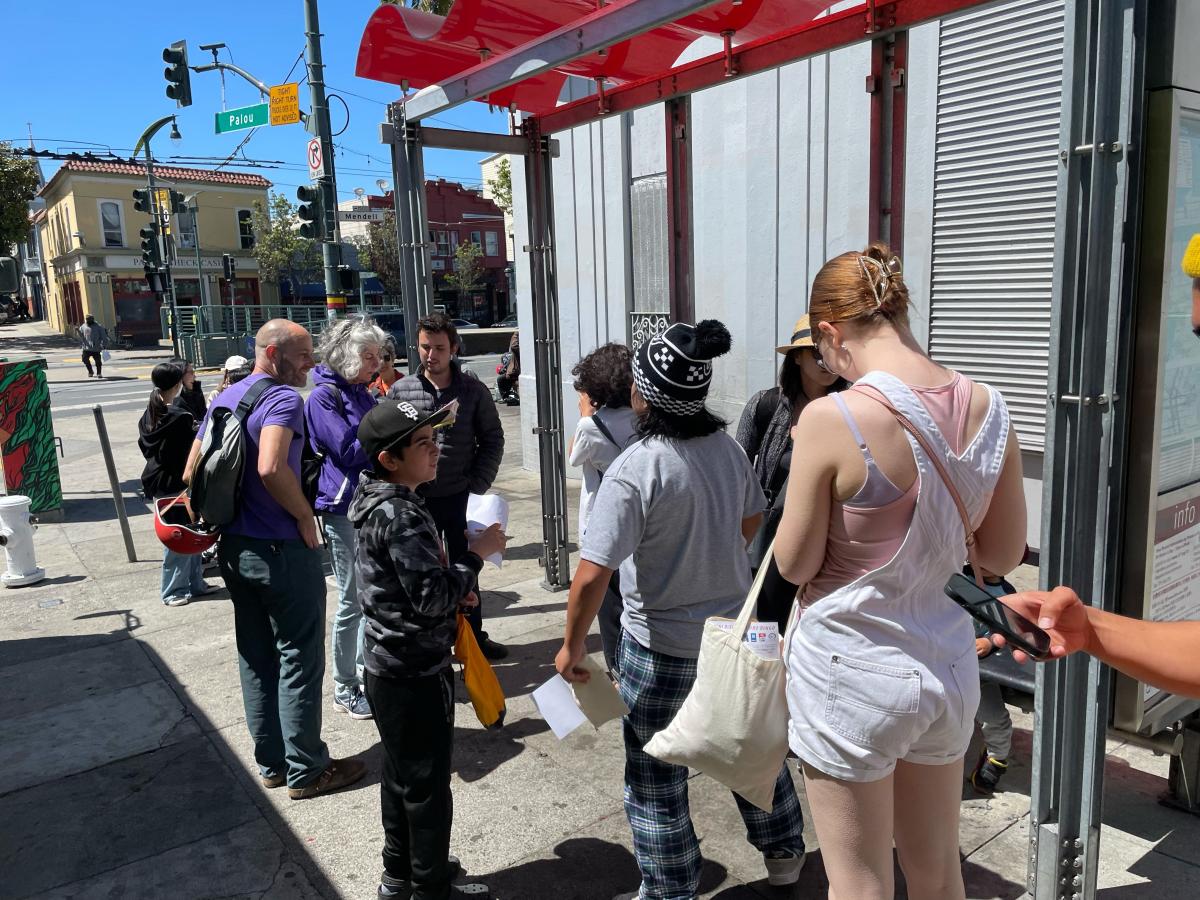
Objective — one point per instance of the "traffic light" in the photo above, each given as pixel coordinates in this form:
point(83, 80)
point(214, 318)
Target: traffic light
point(311, 213)
point(229, 266)
point(151, 259)
point(179, 79)
point(141, 200)
point(347, 280)
point(176, 202)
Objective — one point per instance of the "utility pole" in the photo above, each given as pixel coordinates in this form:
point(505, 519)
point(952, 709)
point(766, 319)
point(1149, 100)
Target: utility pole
point(331, 248)
point(159, 216)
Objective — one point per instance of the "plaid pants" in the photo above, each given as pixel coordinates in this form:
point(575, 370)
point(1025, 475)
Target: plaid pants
point(654, 686)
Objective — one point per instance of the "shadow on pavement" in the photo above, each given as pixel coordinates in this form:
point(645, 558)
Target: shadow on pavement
point(125, 788)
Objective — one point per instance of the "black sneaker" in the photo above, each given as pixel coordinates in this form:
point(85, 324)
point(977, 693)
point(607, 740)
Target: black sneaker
point(987, 774)
point(492, 650)
point(392, 888)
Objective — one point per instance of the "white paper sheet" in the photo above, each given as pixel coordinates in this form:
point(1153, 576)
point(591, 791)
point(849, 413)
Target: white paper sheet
point(484, 510)
point(557, 706)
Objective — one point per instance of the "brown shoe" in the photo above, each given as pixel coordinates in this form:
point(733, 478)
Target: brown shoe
point(338, 774)
point(273, 781)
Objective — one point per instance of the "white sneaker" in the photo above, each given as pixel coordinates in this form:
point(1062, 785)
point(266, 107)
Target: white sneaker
point(182, 600)
point(783, 868)
point(630, 895)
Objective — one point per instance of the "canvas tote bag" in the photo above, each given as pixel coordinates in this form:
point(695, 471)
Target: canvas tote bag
point(733, 724)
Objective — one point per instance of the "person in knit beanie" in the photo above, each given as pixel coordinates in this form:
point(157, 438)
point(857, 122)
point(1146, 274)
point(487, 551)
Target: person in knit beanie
point(674, 514)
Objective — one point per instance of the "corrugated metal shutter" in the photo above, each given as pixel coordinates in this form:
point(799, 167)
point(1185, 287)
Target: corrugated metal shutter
point(995, 179)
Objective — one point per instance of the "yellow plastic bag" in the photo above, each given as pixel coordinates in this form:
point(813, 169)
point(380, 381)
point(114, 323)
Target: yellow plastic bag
point(482, 686)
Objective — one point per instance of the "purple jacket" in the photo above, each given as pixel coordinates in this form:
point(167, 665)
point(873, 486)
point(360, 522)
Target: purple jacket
point(331, 416)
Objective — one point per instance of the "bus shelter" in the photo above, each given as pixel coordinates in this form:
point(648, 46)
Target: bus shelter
point(1121, 468)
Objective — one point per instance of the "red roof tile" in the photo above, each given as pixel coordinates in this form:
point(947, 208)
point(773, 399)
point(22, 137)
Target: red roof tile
point(168, 173)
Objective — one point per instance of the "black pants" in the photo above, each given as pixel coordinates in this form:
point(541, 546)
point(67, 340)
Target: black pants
point(88, 356)
point(609, 619)
point(415, 718)
point(450, 516)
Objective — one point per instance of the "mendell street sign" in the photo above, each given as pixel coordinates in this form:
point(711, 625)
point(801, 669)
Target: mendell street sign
point(362, 214)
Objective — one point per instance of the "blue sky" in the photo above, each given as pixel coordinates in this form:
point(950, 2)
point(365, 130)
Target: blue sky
point(89, 76)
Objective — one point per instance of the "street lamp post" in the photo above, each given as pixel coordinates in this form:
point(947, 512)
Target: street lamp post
point(194, 208)
point(157, 212)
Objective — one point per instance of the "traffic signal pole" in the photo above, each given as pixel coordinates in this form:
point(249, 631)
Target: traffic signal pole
point(331, 249)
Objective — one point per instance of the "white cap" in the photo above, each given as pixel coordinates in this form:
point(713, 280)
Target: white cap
point(236, 362)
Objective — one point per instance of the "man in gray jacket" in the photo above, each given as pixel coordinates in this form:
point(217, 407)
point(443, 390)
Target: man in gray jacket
point(93, 339)
point(472, 447)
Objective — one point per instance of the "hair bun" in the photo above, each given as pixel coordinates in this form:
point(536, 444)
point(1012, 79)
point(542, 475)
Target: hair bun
point(712, 339)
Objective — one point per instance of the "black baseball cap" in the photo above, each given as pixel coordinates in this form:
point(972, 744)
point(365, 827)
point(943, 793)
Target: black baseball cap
point(392, 421)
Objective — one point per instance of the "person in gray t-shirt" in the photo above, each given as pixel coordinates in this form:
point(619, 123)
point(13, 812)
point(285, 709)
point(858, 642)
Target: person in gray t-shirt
point(674, 513)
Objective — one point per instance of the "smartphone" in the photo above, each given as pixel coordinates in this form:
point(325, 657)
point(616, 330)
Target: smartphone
point(1016, 629)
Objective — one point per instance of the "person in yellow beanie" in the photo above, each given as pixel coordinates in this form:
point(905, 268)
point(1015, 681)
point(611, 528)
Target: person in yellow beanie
point(1191, 268)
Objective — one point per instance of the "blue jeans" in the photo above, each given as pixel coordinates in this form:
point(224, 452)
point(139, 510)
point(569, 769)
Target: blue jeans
point(346, 635)
point(278, 593)
point(182, 575)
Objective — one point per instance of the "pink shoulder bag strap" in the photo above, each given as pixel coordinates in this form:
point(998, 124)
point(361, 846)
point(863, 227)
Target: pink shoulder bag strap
point(936, 458)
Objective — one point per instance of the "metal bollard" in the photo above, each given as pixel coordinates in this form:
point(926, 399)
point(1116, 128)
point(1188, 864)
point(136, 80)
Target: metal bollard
point(16, 537)
point(114, 482)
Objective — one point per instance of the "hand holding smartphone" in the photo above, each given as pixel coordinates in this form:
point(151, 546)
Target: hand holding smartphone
point(999, 618)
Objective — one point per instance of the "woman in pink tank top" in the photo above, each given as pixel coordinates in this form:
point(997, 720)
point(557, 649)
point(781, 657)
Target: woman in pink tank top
point(882, 674)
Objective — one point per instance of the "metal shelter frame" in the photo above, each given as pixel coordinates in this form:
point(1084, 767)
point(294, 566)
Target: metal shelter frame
point(1104, 58)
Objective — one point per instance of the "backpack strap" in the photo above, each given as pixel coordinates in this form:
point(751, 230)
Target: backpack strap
point(250, 398)
point(764, 411)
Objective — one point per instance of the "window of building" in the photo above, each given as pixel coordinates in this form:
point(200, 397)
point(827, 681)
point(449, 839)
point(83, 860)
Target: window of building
point(185, 224)
point(476, 239)
point(441, 242)
point(110, 223)
point(492, 245)
point(246, 228)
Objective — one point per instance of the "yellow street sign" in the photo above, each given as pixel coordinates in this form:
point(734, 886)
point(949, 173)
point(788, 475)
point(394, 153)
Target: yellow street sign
point(285, 103)
point(162, 208)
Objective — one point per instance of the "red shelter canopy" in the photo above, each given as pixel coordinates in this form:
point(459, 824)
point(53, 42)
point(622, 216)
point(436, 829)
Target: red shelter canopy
point(402, 45)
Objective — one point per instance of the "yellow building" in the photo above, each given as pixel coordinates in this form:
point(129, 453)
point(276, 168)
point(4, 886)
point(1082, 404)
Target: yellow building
point(92, 251)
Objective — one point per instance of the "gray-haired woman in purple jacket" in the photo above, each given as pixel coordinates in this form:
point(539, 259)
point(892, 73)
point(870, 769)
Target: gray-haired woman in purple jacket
point(349, 351)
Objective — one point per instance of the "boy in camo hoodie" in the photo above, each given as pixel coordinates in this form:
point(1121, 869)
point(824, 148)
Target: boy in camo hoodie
point(410, 599)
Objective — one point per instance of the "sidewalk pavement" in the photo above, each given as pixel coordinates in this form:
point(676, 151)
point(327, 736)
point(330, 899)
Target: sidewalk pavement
point(129, 771)
point(64, 362)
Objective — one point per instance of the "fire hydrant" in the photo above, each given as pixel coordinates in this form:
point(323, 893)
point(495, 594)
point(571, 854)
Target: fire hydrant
point(16, 536)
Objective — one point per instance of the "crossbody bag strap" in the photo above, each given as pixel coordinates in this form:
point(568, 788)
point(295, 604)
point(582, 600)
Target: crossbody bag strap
point(935, 458)
point(596, 420)
point(250, 398)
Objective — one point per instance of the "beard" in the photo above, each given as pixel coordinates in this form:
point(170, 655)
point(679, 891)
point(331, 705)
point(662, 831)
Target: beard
point(291, 374)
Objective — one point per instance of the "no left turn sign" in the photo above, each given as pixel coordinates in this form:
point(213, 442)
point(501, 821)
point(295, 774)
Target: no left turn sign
point(316, 166)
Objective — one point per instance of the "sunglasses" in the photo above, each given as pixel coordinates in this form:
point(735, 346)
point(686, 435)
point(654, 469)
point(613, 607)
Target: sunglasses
point(819, 360)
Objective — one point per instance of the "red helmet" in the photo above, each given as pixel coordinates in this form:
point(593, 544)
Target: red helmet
point(174, 526)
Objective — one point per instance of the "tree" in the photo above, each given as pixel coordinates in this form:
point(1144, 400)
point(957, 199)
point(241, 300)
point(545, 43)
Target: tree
point(18, 185)
point(440, 7)
point(468, 268)
point(379, 253)
point(281, 252)
point(501, 186)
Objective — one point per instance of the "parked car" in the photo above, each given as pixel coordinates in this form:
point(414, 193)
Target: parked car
point(508, 322)
point(460, 324)
point(393, 324)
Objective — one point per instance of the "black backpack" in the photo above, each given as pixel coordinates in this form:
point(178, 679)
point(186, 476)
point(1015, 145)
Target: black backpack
point(216, 489)
point(311, 461)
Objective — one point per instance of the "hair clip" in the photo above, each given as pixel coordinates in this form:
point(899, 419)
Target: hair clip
point(876, 275)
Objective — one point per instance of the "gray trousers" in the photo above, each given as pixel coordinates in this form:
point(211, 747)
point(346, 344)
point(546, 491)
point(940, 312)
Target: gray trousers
point(994, 721)
point(278, 593)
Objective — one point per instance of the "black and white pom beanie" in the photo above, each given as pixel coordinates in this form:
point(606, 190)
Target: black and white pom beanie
point(673, 371)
